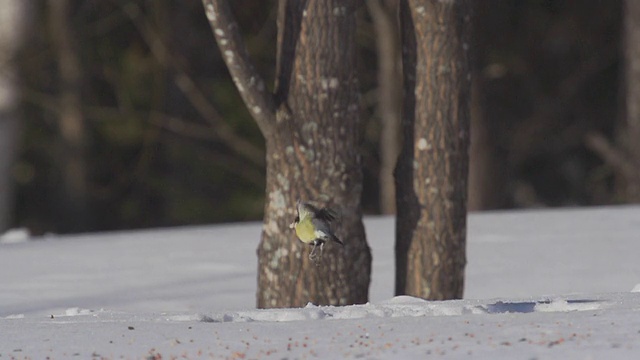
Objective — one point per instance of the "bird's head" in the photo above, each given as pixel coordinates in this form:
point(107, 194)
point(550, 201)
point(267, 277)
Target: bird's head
point(304, 210)
point(297, 219)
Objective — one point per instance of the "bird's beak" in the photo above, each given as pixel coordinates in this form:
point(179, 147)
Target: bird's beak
point(293, 224)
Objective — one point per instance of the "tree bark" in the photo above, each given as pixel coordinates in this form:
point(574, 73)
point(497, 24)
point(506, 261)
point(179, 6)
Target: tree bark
point(487, 168)
point(72, 199)
point(629, 129)
point(385, 18)
point(431, 174)
point(13, 18)
point(312, 131)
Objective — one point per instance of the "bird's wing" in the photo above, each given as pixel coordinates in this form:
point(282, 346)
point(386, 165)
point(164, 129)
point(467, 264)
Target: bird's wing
point(327, 214)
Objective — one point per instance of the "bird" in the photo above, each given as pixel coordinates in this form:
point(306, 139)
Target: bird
point(313, 227)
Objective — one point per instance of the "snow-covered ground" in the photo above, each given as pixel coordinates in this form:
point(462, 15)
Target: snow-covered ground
point(540, 284)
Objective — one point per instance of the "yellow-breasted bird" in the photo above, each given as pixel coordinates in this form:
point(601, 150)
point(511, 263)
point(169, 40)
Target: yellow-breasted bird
point(313, 226)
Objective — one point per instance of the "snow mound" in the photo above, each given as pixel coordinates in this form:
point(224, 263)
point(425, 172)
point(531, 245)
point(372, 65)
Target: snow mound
point(15, 316)
point(545, 305)
point(14, 236)
point(76, 311)
point(405, 306)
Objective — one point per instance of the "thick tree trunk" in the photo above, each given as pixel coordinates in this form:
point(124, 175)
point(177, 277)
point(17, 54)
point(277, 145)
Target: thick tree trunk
point(312, 132)
point(432, 170)
point(629, 130)
point(313, 155)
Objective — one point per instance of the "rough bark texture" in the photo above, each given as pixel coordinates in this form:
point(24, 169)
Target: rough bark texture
point(629, 134)
point(313, 156)
point(431, 174)
point(312, 138)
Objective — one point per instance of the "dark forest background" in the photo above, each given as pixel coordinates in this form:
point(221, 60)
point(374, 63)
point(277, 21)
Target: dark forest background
point(130, 119)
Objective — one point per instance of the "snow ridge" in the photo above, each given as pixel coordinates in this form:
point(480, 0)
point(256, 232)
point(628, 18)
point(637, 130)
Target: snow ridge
point(400, 306)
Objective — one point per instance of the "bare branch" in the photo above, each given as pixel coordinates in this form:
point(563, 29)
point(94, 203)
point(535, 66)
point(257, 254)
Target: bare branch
point(556, 107)
point(223, 130)
point(232, 164)
point(611, 155)
point(196, 131)
point(174, 124)
point(184, 128)
point(185, 83)
point(249, 83)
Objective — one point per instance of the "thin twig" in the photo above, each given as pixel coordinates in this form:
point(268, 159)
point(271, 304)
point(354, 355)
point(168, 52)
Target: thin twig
point(189, 88)
point(611, 155)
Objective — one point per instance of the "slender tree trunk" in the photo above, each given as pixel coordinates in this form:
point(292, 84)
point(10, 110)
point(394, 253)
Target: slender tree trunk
point(385, 19)
point(432, 170)
point(487, 163)
point(311, 126)
point(487, 177)
point(12, 32)
point(72, 199)
point(629, 129)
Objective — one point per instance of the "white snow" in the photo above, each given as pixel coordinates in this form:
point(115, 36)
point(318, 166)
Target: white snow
point(539, 284)
point(12, 236)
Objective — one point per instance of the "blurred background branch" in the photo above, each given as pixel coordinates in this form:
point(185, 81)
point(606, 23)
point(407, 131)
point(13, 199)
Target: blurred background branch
point(124, 115)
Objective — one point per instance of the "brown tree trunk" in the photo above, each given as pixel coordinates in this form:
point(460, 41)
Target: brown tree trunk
point(487, 177)
point(629, 130)
point(14, 19)
point(385, 19)
point(312, 131)
point(72, 138)
point(431, 174)
point(487, 162)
